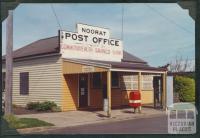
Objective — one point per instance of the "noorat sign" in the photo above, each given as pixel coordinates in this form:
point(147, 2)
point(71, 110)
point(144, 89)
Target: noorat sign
point(90, 42)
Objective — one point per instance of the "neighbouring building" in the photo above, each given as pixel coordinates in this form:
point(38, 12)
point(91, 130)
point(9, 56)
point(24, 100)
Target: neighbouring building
point(79, 75)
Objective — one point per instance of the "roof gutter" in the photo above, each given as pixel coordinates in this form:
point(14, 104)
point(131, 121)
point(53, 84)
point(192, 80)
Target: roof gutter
point(137, 70)
point(108, 66)
point(34, 57)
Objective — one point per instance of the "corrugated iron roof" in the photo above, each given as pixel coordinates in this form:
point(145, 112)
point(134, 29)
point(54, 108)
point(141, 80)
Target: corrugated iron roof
point(132, 58)
point(40, 47)
point(51, 45)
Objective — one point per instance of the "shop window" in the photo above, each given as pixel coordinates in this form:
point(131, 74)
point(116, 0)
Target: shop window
point(129, 82)
point(147, 82)
point(24, 83)
point(96, 80)
point(115, 79)
point(3, 81)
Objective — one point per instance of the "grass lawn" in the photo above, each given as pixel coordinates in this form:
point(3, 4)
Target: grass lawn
point(18, 123)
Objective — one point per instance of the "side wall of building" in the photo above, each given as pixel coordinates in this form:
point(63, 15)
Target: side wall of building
point(69, 99)
point(45, 78)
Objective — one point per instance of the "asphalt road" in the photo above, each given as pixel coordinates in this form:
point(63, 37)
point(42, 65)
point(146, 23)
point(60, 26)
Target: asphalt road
point(153, 125)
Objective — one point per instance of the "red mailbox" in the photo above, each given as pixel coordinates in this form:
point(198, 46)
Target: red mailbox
point(135, 99)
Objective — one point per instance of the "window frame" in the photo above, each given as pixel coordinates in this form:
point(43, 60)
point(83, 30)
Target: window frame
point(24, 90)
point(131, 81)
point(92, 80)
point(145, 82)
point(118, 76)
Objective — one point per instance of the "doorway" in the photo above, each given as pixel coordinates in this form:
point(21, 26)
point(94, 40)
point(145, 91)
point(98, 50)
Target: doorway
point(157, 86)
point(83, 90)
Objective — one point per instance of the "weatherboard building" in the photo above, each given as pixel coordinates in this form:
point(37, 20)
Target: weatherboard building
point(78, 70)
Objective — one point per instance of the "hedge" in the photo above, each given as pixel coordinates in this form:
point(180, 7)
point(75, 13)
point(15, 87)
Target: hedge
point(185, 87)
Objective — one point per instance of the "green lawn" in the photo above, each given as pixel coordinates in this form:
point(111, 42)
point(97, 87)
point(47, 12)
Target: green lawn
point(18, 123)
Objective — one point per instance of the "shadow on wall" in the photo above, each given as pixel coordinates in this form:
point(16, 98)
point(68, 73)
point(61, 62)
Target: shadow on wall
point(71, 94)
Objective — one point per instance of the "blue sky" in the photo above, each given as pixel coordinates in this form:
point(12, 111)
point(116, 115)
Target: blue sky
point(156, 33)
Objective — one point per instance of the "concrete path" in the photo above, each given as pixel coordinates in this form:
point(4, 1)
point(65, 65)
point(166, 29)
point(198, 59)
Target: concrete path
point(75, 118)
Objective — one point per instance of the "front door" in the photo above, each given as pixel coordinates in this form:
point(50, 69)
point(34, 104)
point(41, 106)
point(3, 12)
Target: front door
point(83, 90)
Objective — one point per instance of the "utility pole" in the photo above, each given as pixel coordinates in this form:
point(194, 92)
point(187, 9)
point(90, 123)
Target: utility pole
point(9, 63)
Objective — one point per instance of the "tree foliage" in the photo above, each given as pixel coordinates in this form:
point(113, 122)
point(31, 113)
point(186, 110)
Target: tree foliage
point(185, 87)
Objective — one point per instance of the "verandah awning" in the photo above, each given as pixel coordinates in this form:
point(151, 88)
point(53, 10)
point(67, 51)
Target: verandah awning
point(72, 66)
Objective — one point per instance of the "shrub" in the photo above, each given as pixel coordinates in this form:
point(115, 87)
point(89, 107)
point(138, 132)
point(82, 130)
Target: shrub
point(192, 76)
point(43, 106)
point(14, 106)
point(47, 105)
point(32, 105)
point(56, 109)
point(185, 87)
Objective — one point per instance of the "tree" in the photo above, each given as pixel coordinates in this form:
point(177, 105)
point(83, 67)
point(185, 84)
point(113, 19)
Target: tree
point(181, 65)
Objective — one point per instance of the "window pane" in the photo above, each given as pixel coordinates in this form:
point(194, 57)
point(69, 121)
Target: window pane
point(115, 79)
point(147, 82)
point(96, 80)
point(129, 82)
point(24, 83)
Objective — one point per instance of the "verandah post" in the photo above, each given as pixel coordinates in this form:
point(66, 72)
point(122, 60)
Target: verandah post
point(109, 93)
point(139, 81)
point(164, 80)
point(139, 86)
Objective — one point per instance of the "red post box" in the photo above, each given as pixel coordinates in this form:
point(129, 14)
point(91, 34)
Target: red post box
point(135, 100)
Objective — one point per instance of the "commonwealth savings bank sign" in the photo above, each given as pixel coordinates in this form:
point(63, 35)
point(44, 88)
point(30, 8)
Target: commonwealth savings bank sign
point(90, 42)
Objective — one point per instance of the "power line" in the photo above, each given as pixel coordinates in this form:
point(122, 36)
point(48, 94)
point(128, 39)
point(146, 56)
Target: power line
point(168, 19)
point(177, 49)
point(55, 16)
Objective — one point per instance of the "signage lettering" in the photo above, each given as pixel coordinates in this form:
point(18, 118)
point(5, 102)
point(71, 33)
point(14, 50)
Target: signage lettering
point(76, 37)
point(88, 69)
point(92, 31)
point(95, 40)
point(90, 42)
